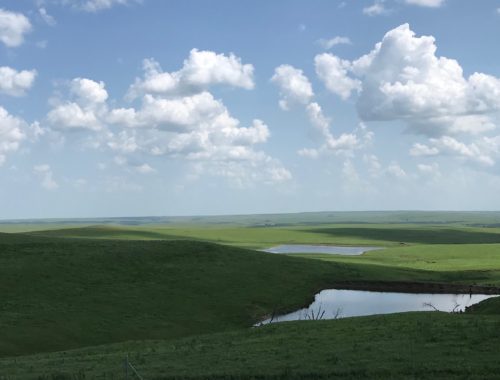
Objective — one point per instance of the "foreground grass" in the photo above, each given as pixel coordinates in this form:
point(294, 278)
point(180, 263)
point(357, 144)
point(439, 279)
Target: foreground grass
point(399, 346)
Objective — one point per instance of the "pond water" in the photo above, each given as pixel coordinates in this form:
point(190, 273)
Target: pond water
point(328, 249)
point(333, 303)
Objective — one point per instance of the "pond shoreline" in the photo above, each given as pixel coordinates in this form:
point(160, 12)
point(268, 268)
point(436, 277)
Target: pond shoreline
point(415, 287)
point(394, 287)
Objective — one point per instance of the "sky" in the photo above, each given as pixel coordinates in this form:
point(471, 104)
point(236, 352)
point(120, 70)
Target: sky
point(192, 107)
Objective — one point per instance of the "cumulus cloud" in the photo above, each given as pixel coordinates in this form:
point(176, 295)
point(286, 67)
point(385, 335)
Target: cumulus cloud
point(11, 133)
point(295, 88)
point(13, 27)
point(85, 109)
point(176, 117)
point(402, 79)
point(44, 172)
point(396, 171)
point(201, 70)
point(88, 91)
point(333, 72)
point(483, 151)
point(73, 116)
point(345, 144)
point(16, 83)
point(327, 44)
point(293, 84)
point(426, 3)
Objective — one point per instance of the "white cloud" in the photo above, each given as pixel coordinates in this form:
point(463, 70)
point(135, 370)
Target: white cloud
point(44, 172)
point(394, 170)
point(426, 3)
point(373, 164)
point(95, 5)
point(483, 151)
point(201, 70)
point(327, 44)
point(16, 83)
point(333, 71)
point(124, 142)
point(13, 27)
point(88, 92)
point(49, 20)
point(294, 86)
point(85, 110)
point(72, 116)
point(11, 133)
point(403, 79)
point(145, 169)
point(206, 68)
point(177, 118)
point(419, 149)
point(376, 9)
point(345, 144)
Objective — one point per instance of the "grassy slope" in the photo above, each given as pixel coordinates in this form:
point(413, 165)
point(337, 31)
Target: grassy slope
point(398, 346)
point(67, 293)
point(466, 259)
point(64, 293)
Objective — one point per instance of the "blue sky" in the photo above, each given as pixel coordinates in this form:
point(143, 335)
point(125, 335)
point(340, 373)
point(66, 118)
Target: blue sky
point(126, 107)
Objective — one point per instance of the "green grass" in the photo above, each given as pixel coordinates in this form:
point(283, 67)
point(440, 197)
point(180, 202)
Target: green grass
point(410, 234)
point(259, 237)
point(427, 345)
point(462, 258)
point(68, 293)
point(182, 305)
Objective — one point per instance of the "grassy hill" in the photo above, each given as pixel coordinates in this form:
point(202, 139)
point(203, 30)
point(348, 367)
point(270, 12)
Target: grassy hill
point(429, 345)
point(67, 293)
point(73, 307)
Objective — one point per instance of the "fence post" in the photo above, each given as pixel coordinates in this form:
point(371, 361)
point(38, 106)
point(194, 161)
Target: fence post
point(125, 362)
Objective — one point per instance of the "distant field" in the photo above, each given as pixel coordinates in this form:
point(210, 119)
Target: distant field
point(263, 237)
point(463, 218)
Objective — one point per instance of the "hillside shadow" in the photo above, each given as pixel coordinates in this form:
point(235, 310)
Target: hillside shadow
point(424, 236)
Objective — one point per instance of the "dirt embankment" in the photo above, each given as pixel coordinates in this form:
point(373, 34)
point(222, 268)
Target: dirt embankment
point(416, 287)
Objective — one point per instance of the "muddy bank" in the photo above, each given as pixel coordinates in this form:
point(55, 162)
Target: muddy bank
point(416, 287)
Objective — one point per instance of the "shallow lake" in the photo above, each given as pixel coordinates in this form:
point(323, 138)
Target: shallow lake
point(326, 249)
point(333, 303)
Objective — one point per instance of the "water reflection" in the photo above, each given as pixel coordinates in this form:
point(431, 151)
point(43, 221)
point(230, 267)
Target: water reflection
point(324, 249)
point(333, 303)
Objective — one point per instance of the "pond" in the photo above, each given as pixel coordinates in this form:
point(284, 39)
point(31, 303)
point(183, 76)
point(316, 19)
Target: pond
point(321, 249)
point(334, 303)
